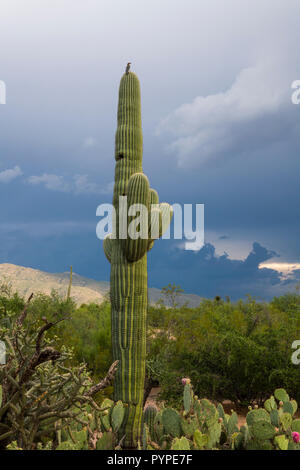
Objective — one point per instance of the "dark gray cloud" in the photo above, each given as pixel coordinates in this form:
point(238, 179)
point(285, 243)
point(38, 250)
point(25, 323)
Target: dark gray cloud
point(208, 274)
point(54, 247)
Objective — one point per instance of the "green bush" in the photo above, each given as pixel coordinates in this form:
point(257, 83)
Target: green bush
point(86, 329)
point(239, 351)
point(41, 389)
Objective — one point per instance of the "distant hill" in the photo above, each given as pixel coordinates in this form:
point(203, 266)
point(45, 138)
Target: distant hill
point(84, 290)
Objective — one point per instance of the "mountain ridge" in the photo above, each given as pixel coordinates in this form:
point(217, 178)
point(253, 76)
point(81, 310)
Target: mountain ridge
point(25, 280)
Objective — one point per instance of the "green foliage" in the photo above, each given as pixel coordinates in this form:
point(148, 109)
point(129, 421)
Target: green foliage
point(53, 307)
point(42, 392)
point(239, 351)
point(93, 433)
point(100, 434)
point(171, 292)
point(88, 333)
point(11, 304)
point(86, 330)
point(78, 441)
point(57, 387)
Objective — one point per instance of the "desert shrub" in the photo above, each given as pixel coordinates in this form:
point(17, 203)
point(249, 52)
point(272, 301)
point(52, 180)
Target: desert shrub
point(39, 391)
point(85, 330)
point(88, 332)
point(11, 304)
point(239, 351)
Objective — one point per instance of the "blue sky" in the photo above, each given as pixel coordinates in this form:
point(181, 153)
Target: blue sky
point(219, 128)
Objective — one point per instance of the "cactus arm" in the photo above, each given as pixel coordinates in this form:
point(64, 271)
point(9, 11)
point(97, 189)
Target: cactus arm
point(153, 197)
point(108, 246)
point(150, 245)
point(166, 217)
point(137, 193)
point(153, 219)
point(159, 220)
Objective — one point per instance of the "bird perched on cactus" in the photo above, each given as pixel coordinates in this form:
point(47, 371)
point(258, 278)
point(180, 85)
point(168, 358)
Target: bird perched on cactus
point(128, 258)
point(128, 68)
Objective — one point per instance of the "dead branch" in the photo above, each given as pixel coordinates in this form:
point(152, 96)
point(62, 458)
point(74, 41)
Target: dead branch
point(38, 358)
point(23, 315)
point(105, 382)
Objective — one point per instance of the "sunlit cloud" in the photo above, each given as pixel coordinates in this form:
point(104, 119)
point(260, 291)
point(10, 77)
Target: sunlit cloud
point(286, 270)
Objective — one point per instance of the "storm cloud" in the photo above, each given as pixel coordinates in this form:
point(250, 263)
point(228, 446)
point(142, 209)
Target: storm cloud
point(219, 126)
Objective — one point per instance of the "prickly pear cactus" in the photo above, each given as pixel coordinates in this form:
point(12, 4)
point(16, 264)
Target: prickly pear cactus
point(180, 444)
point(202, 426)
point(171, 422)
point(271, 427)
point(128, 258)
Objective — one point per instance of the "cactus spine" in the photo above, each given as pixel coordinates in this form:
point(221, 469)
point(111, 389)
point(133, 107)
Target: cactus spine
point(128, 258)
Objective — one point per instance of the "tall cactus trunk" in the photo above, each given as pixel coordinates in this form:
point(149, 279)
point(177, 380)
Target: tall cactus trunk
point(128, 260)
point(129, 310)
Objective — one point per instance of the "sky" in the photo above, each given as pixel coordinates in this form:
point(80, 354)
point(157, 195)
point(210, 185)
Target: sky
point(219, 128)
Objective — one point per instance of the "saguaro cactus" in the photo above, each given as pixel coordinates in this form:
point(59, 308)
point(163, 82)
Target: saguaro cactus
point(128, 258)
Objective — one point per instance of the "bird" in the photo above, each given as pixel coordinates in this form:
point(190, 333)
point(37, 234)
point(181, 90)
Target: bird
point(127, 68)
